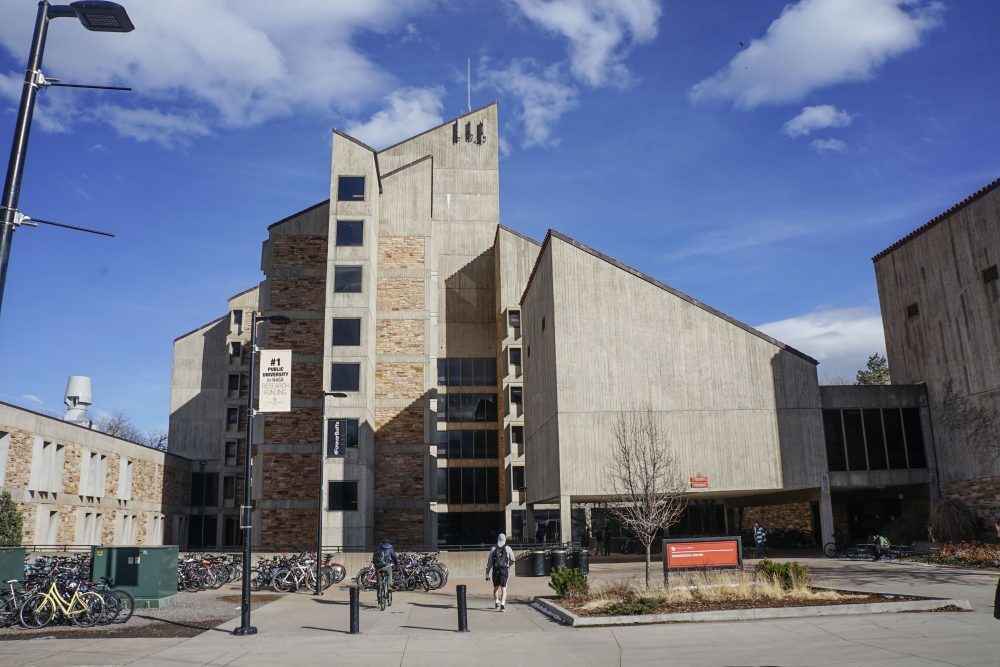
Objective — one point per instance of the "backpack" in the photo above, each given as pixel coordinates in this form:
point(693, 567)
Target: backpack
point(381, 558)
point(500, 559)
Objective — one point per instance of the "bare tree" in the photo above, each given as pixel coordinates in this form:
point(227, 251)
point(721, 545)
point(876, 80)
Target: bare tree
point(969, 421)
point(645, 478)
point(157, 439)
point(120, 425)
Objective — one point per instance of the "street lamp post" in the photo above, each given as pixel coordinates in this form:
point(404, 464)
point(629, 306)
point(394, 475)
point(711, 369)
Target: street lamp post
point(319, 520)
point(94, 15)
point(246, 510)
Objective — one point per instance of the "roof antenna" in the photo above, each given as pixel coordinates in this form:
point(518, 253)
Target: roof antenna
point(469, 80)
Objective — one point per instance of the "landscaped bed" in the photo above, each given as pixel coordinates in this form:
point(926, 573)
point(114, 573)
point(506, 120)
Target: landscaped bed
point(771, 590)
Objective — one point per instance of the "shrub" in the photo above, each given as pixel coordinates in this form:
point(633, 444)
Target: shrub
point(954, 521)
point(635, 606)
point(11, 521)
point(568, 582)
point(787, 575)
point(976, 554)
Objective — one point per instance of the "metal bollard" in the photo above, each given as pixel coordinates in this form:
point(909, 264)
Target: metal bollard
point(463, 612)
point(355, 610)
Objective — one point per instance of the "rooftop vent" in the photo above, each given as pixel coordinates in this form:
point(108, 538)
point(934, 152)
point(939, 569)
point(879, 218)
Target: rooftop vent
point(990, 274)
point(79, 395)
point(912, 310)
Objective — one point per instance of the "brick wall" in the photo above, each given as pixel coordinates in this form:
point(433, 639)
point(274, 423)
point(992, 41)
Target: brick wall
point(296, 252)
point(144, 486)
point(399, 337)
point(399, 293)
point(111, 481)
point(19, 459)
point(405, 528)
point(307, 380)
point(400, 476)
point(288, 529)
point(291, 476)
point(67, 525)
point(28, 514)
point(301, 425)
point(982, 495)
point(788, 516)
point(399, 380)
point(296, 293)
point(401, 252)
point(72, 456)
point(302, 336)
point(399, 426)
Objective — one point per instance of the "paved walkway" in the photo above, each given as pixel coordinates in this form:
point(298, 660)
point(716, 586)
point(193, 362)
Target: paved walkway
point(419, 629)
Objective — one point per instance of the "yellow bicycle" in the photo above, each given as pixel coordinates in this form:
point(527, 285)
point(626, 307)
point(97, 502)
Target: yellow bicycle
point(41, 608)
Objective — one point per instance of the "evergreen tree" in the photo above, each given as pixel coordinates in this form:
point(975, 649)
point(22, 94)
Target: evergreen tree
point(876, 371)
point(11, 521)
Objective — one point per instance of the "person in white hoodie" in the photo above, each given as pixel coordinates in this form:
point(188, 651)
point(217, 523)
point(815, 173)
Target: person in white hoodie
point(499, 561)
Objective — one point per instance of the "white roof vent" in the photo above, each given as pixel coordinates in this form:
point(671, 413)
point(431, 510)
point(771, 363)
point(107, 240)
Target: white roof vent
point(79, 395)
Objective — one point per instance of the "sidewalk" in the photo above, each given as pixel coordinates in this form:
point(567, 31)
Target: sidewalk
point(420, 629)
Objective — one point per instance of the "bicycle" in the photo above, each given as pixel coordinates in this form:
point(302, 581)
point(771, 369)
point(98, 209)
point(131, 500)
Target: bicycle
point(82, 609)
point(11, 603)
point(119, 605)
point(384, 593)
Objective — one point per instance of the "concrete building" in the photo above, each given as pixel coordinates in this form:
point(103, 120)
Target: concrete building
point(453, 378)
point(77, 486)
point(940, 299)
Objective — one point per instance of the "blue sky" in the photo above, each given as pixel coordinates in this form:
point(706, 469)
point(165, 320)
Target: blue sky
point(753, 154)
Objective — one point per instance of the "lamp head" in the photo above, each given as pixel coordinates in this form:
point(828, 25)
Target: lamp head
point(99, 15)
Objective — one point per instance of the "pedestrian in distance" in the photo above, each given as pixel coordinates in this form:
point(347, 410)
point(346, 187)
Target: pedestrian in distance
point(759, 539)
point(606, 541)
point(598, 540)
point(499, 562)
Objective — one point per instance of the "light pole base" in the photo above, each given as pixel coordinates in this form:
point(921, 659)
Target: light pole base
point(244, 631)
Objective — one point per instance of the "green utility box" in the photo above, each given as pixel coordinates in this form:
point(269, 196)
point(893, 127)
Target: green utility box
point(11, 564)
point(148, 573)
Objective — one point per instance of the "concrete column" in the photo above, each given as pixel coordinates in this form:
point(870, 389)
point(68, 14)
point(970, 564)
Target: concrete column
point(508, 523)
point(565, 519)
point(529, 522)
point(825, 510)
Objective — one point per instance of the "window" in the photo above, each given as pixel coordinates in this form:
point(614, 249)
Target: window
point(347, 279)
point(345, 377)
point(470, 444)
point(855, 438)
point(516, 396)
point(124, 480)
point(229, 491)
point(204, 489)
point(4, 453)
point(234, 385)
point(912, 310)
point(232, 534)
point(346, 331)
point(237, 320)
point(517, 435)
point(895, 444)
point(343, 497)
point(235, 350)
point(471, 372)
point(467, 408)
point(514, 319)
point(230, 452)
point(834, 431)
point(202, 531)
point(341, 434)
point(875, 440)
point(990, 274)
point(473, 486)
point(351, 188)
point(543, 323)
point(517, 477)
point(514, 354)
point(232, 418)
point(350, 232)
point(914, 438)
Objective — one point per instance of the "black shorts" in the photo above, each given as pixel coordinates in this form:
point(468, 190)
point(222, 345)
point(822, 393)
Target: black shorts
point(500, 575)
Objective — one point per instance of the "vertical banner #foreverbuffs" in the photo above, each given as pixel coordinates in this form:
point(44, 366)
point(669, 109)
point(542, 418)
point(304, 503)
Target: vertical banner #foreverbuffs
point(275, 381)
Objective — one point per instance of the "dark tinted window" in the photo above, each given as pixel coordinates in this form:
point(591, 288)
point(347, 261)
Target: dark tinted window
point(235, 349)
point(234, 383)
point(914, 438)
point(442, 372)
point(517, 433)
point(441, 475)
point(517, 395)
point(894, 442)
point(514, 319)
point(340, 434)
point(350, 232)
point(204, 489)
point(832, 428)
point(346, 331)
point(517, 477)
point(876, 443)
point(351, 188)
point(344, 496)
point(854, 433)
point(347, 279)
point(515, 356)
point(345, 377)
point(232, 416)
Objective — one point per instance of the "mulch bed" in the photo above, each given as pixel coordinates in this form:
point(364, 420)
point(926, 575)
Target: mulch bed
point(727, 605)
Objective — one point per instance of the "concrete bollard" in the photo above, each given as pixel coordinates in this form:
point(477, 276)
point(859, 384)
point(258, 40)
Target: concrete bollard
point(355, 610)
point(463, 612)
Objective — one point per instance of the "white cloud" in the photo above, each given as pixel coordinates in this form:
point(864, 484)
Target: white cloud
point(817, 118)
point(828, 145)
point(33, 400)
point(407, 111)
point(226, 63)
point(168, 130)
point(817, 43)
point(737, 238)
point(600, 32)
point(543, 95)
point(840, 339)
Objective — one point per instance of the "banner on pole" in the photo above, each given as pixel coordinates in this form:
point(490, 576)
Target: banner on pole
point(275, 381)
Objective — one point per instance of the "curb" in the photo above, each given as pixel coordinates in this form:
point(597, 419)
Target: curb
point(550, 608)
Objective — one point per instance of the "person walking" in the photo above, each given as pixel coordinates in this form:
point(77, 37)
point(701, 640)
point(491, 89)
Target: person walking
point(499, 561)
point(759, 539)
point(606, 541)
point(598, 541)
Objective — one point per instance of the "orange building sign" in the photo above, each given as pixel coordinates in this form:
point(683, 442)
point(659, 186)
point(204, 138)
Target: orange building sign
point(713, 552)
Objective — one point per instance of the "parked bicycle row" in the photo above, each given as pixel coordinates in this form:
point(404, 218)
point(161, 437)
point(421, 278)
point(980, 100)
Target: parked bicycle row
point(287, 574)
point(57, 596)
point(207, 571)
point(414, 571)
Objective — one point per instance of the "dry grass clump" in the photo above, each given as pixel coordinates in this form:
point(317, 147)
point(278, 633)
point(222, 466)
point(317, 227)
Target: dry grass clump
point(697, 590)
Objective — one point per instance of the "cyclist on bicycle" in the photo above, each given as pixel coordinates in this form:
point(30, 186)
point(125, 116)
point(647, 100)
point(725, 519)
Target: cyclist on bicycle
point(384, 558)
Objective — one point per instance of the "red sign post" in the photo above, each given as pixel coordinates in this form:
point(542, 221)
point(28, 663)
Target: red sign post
point(702, 552)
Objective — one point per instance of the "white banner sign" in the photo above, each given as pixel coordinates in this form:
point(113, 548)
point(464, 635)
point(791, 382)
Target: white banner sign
point(275, 381)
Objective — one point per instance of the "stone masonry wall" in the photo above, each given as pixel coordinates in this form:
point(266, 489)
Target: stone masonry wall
point(399, 380)
point(399, 337)
point(404, 527)
point(301, 336)
point(399, 426)
point(19, 459)
point(788, 516)
point(71, 472)
point(296, 252)
point(401, 252)
point(307, 380)
point(400, 293)
point(301, 425)
point(296, 293)
point(399, 476)
point(290, 476)
point(289, 529)
point(982, 495)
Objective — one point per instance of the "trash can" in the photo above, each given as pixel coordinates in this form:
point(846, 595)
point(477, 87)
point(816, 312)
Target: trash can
point(148, 573)
point(558, 557)
point(538, 563)
point(580, 560)
point(11, 563)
